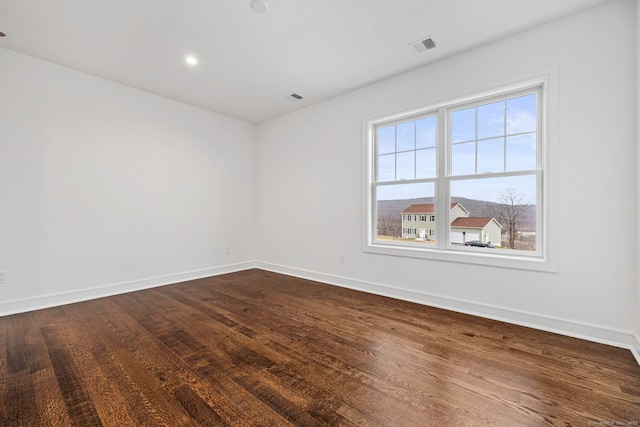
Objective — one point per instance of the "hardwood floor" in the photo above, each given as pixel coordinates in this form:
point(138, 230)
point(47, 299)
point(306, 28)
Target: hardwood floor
point(257, 349)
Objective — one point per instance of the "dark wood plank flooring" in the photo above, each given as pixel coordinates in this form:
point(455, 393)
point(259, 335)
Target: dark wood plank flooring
point(261, 349)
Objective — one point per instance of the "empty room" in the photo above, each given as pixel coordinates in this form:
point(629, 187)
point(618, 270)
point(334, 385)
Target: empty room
point(332, 213)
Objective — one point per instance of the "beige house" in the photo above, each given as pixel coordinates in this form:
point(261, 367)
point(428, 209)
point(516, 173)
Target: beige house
point(419, 222)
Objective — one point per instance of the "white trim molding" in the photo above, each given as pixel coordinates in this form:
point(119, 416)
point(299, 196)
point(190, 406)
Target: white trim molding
point(54, 300)
point(581, 330)
point(635, 347)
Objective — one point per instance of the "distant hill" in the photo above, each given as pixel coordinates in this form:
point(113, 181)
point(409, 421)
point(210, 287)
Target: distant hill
point(477, 208)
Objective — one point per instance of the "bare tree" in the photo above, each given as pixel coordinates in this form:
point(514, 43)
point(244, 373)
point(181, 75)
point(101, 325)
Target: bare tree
point(389, 225)
point(509, 212)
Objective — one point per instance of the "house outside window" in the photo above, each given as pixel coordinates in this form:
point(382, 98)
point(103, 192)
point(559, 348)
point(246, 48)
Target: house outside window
point(484, 229)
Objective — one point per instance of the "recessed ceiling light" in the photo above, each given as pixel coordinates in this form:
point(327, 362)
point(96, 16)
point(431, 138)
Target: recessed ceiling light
point(260, 6)
point(192, 60)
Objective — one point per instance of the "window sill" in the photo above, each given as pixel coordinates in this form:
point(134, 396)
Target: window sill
point(466, 256)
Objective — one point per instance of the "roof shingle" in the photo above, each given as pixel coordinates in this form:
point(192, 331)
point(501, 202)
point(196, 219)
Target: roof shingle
point(423, 208)
point(471, 222)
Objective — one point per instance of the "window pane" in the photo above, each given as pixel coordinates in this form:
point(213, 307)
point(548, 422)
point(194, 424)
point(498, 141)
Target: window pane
point(405, 212)
point(491, 120)
point(521, 114)
point(463, 159)
point(405, 136)
point(406, 165)
point(426, 132)
point(387, 167)
point(521, 152)
point(491, 155)
point(511, 201)
point(426, 163)
point(463, 125)
point(386, 140)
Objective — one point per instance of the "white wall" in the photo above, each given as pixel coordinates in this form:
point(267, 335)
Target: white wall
point(309, 183)
point(105, 188)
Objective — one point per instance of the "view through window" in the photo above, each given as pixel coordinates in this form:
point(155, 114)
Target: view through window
point(463, 177)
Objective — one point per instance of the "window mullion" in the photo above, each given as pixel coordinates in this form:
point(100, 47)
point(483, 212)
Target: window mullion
point(395, 152)
point(475, 110)
point(444, 164)
point(415, 151)
point(504, 136)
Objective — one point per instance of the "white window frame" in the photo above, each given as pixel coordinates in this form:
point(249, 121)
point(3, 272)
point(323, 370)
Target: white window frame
point(545, 257)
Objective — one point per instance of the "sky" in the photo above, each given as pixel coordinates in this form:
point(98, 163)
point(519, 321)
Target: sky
point(496, 137)
point(486, 189)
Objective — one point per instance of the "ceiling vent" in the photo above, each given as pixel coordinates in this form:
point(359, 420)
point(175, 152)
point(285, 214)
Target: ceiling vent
point(423, 45)
point(295, 97)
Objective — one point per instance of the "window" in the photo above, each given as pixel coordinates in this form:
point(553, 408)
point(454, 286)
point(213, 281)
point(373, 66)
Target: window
point(493, 145)
point(480, 164)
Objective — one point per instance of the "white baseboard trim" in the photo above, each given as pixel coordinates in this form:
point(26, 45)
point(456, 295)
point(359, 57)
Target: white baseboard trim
point(54, 300)
point(586, 331)
point(635, 348)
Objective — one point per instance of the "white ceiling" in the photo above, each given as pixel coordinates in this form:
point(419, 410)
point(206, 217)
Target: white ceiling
point(250, 62)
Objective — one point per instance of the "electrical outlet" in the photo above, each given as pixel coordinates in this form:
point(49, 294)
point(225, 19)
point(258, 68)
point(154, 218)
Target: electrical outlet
point(342, 258)
point(227, 250)
point(3, 277)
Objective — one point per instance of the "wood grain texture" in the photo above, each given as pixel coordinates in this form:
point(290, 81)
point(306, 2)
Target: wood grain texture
point(261, 349)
